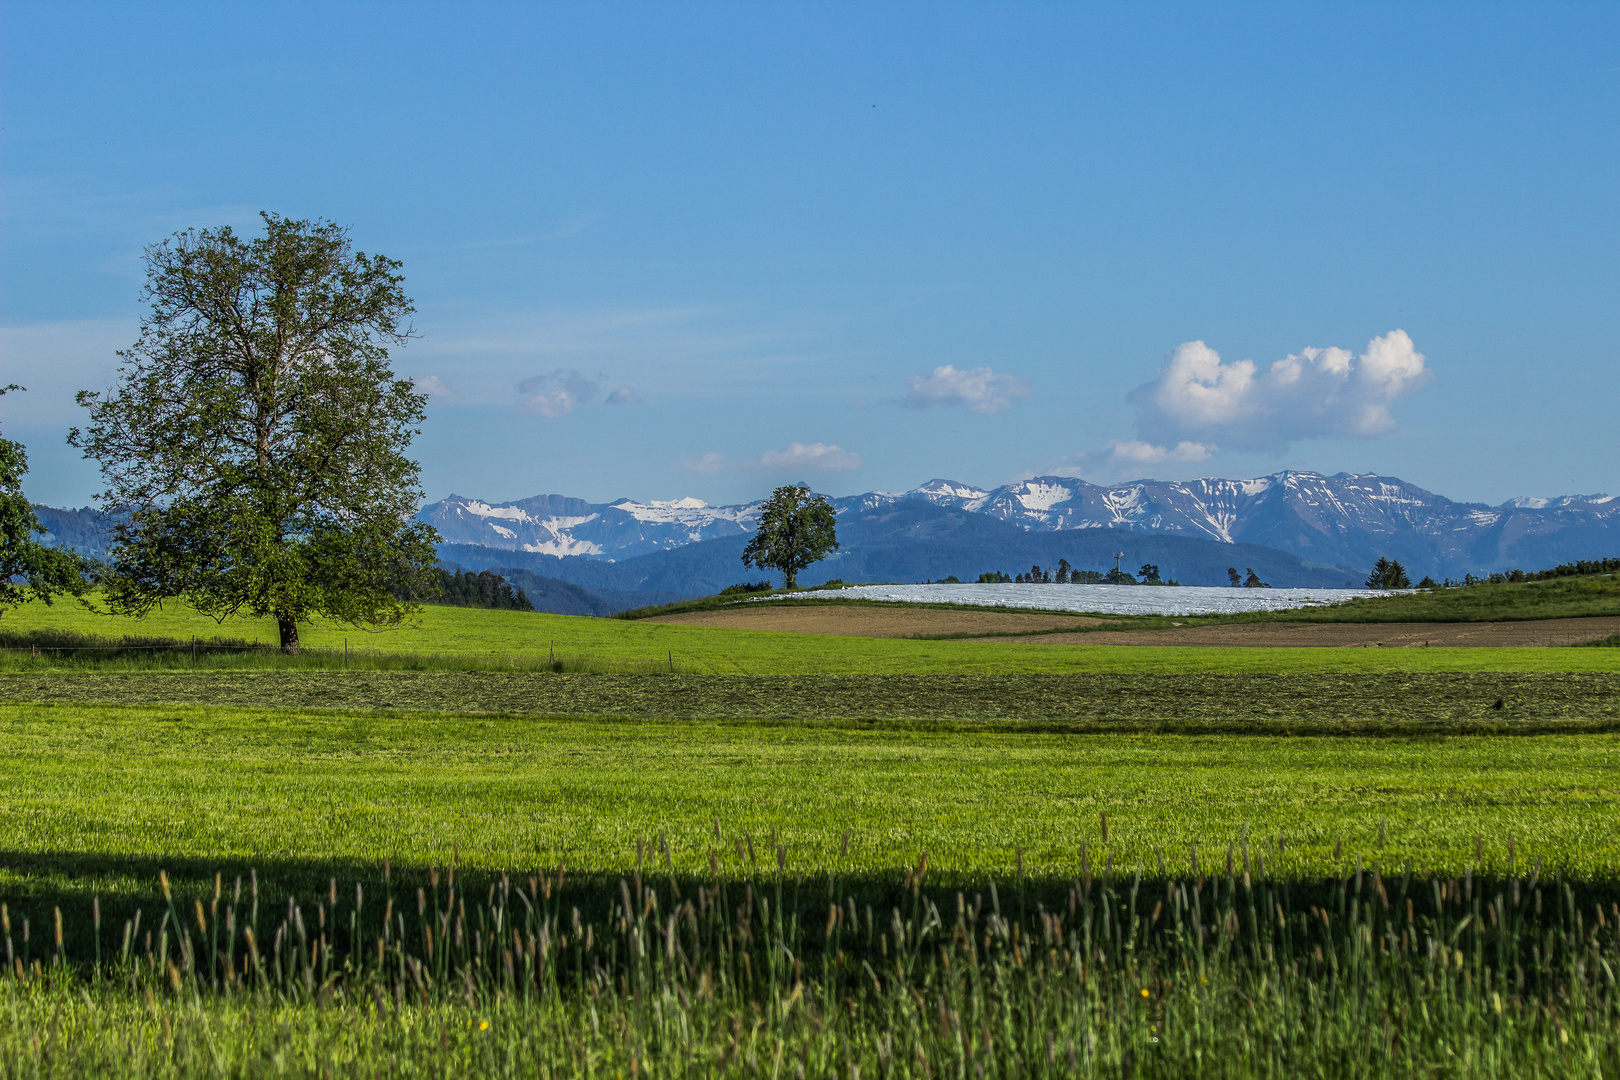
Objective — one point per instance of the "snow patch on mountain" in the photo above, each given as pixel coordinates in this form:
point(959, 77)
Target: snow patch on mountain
point(1346, 520)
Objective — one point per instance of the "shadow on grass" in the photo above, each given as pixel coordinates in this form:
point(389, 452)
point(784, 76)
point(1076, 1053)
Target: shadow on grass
point(73, 890)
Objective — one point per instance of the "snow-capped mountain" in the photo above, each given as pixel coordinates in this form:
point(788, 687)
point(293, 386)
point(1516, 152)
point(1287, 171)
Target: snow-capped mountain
point(1345, 520)
point(558, 525)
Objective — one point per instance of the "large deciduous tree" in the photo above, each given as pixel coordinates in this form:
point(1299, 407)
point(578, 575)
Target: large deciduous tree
point(254, 446)
point(27, 567)
point(795, 530)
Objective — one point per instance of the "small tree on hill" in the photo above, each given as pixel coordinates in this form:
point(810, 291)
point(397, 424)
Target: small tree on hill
point(796, 529)
point(1234, 577)
point(27, 567)
point(253, 449)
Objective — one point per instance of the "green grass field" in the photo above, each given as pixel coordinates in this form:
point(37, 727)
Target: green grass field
point(1279, 703)
point(1467, 953)
point(447, 636)
point(87, 789)
point(1406, 860)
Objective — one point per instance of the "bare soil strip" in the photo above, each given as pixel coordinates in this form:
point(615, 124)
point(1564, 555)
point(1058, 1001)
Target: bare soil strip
point(902, 621)
point(1359, 635)
point(896, 621)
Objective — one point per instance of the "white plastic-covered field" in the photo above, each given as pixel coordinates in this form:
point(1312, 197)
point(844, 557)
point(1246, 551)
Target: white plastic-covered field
point(1104, 599)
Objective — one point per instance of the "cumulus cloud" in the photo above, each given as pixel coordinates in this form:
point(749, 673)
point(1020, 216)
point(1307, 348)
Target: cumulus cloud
point(624, 395)
point(434, 387)
point(708, 463)
point(978, 390)
point(1200, 398)
point(806, 457)
point(556, 393)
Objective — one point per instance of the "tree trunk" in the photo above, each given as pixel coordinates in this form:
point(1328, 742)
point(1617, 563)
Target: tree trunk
point(788, 579)
point(289, 633)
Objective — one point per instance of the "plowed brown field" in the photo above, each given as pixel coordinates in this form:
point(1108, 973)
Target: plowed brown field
point(887, 621)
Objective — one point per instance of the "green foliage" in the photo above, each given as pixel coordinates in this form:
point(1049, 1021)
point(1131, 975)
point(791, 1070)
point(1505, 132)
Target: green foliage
point(485, 589)
point(44, 571)
point(993, 577)
point(253, 448)
point(1579, 568)
point(1387, 574)
point(1149, 574)
point(746, 587)
point(795, 531)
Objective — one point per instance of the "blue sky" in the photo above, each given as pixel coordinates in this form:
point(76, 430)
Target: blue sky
point(697, 250)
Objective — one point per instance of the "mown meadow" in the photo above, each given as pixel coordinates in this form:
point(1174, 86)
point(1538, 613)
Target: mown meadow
point(40, 637)
point(821, 857)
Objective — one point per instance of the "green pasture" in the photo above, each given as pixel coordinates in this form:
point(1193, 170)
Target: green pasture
point(102, 797)
point(448, 637)
point(1239, 703)
point(1555, 598)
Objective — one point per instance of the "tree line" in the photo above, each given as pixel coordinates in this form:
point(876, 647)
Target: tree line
point(1065, 574)
point(484, 589)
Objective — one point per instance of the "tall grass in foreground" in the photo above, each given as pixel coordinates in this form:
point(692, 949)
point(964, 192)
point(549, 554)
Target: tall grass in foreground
point(1230, 974)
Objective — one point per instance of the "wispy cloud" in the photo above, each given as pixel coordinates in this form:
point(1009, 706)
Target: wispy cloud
point(624, 395)
point(556, 393)
point(708, 463)
point(978, 390)
point(434, 387)
point(806, 457)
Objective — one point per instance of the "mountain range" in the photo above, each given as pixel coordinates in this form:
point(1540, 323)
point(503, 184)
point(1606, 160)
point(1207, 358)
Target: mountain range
point(1345, 520)
point(1293, 528)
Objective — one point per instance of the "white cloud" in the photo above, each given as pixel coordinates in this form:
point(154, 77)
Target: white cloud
point(434, 387)
point(708, 463)
point(1144, 453)
point(806, 457)
point(1198, 397)
point(624, 395)
point(556, 393)
point(978, 389)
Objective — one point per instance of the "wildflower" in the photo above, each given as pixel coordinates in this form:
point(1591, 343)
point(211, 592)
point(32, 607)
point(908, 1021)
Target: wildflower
point(1145, 992)
point(483, 1025)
